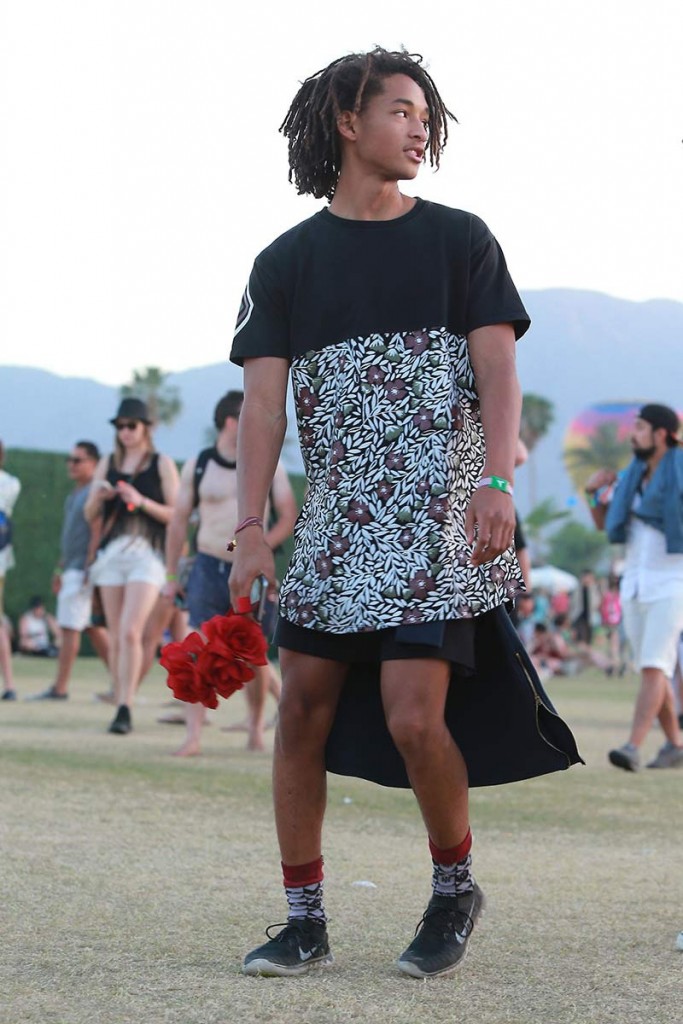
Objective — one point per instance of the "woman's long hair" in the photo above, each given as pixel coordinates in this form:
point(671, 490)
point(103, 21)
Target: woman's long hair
point(120, 451)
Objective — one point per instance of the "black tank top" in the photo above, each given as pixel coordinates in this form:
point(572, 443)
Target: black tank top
point(135, 522)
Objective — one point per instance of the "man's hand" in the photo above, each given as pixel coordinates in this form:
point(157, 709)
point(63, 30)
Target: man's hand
point(490, 519)
point(253, 558)
point(601, 478)
point(56, 585)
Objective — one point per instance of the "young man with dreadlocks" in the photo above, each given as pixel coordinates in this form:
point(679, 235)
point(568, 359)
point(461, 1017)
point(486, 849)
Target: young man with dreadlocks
point(398, 320)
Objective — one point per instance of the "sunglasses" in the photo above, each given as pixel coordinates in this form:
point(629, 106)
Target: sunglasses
point(127, 424)
point(75, 460)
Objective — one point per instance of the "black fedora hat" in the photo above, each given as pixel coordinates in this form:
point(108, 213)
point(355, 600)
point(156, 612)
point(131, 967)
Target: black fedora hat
point(132, 409)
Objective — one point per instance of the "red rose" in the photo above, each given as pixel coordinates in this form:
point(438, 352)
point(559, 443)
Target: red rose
point(181, 661)
point(222, 672)
point(240, 634)
point(199, 670)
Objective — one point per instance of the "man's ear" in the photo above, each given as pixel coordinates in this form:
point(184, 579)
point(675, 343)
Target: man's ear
point(346, 125)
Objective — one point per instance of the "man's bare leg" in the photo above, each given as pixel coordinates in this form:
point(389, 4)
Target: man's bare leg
point(99, 638)
point(6, 659)
point(274, 689)
point(256, 692)
point(655, 700)
point(68, 652)
point(310, 692)
point(195, 716)
point(414, 696)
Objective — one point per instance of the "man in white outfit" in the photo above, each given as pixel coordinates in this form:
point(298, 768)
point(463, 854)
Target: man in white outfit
point(643, 509)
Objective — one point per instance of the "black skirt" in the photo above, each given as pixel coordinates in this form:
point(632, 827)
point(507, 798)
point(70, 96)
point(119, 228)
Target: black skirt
point(498, 714)
point(451, 640)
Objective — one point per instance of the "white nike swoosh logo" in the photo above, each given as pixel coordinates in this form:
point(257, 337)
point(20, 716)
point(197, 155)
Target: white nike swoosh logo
point(305, 956)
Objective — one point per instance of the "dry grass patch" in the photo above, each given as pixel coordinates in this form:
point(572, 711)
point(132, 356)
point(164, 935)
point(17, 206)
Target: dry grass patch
point(135, 882)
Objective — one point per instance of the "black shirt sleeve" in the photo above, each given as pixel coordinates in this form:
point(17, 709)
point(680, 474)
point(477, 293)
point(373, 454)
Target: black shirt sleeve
point(492, 297)
point(262, 327)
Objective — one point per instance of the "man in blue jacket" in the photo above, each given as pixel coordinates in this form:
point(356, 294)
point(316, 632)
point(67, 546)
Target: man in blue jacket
point(643, 509)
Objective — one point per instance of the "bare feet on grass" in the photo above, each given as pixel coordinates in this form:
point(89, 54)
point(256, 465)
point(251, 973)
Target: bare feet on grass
point(243, 726)
point(190, 748)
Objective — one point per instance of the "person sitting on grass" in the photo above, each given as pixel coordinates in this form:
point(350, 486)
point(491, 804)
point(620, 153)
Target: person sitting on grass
point(39, 634)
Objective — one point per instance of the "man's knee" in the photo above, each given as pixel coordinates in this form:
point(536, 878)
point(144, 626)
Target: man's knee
point(412, 730)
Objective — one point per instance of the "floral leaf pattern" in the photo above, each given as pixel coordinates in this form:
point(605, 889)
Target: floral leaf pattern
point(393, 448)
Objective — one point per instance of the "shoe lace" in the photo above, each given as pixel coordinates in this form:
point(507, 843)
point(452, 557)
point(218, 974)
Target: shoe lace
point(445, 918)
point(289, 928)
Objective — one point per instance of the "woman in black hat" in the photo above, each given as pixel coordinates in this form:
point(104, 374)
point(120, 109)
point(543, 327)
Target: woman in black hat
point(130, 503)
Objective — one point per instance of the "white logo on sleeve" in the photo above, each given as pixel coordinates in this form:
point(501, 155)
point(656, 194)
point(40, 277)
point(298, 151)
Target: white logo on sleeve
point(245, 311)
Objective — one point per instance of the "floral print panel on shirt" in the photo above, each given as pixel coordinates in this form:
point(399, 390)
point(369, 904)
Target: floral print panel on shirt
point(393, 448)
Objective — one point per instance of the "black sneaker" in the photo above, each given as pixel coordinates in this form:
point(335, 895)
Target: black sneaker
point(122, 721)
point(9, 695)
point(441, 937)
point(301, 945)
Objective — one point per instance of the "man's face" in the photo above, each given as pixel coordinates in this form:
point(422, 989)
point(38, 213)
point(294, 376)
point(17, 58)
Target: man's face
point(80, 466)
point(644, 439)
point(230, 427)
point(389, 137)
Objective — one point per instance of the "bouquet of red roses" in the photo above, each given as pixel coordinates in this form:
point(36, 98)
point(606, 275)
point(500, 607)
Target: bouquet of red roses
point(215, 662)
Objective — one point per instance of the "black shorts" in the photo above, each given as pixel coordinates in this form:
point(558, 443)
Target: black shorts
point(451, 640)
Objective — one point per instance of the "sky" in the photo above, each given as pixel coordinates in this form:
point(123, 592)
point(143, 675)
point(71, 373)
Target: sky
point(141, 168)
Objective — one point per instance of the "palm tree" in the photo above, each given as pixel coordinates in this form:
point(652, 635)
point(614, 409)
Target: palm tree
point(538, 414)
point(163, 400)
point(604, 450)
point(540, 517)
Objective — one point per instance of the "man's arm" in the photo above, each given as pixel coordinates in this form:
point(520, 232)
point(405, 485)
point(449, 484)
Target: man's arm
point(176, 531)
point(602, 478)
point(492, 354)
point(262, 425)
point(284, 505)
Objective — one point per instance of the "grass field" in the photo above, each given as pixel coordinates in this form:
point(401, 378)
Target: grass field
point(134, 882)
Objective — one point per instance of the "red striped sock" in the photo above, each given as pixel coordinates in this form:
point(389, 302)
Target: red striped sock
point(295, 875)
point(304, 890)
point(453, 855)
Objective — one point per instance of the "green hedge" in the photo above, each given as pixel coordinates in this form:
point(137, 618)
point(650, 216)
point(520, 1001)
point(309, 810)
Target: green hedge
point(37, 526)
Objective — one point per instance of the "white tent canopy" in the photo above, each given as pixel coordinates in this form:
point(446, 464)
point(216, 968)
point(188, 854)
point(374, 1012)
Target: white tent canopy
point(549, 577)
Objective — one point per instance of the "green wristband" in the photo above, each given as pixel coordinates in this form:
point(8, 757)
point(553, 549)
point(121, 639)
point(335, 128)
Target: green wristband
point(498, 483)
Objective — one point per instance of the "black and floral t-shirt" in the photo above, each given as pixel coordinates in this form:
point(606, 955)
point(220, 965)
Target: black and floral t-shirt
point(373, 317)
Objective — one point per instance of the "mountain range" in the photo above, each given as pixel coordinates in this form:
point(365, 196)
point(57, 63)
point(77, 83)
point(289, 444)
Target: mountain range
point(583, 348)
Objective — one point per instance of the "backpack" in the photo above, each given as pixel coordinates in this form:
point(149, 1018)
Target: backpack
point(5, 531)
point(203, 459)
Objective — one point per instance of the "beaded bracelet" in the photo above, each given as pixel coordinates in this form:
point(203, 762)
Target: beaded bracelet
point(498, 483)
point(249, 521)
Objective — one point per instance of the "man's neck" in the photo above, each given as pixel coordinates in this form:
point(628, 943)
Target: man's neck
point(654, 461)
point(368, 199)
point(226, 447)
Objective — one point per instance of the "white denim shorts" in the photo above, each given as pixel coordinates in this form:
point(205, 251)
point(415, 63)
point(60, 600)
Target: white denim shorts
point(128, 560)
point(653, 629)
point(74, 601)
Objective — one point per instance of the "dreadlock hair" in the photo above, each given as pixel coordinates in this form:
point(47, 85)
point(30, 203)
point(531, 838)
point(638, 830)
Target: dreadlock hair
point(347, 84)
